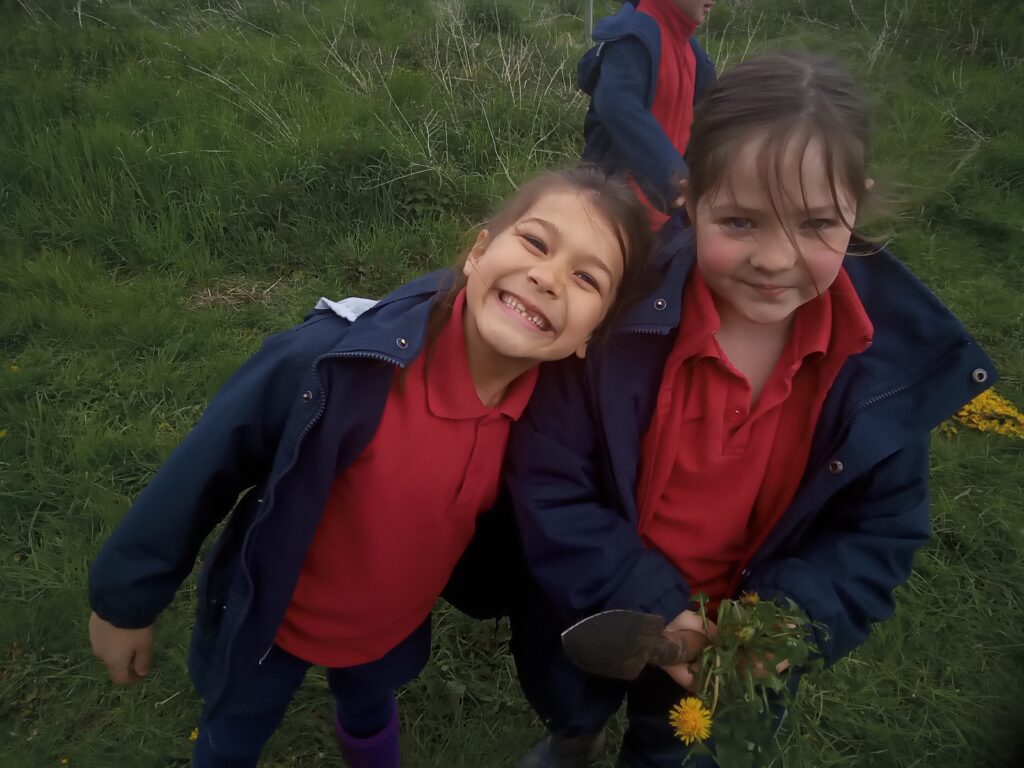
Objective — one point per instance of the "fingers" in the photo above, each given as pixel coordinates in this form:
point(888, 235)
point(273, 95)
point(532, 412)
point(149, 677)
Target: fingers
point(690, 620)
point(682, 674)
point(127, 653)
point(143, 661)
point(119, 669)
point(758, 670)
point(686, 620)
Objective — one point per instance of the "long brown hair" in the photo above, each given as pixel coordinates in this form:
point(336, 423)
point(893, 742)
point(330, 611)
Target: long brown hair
point(784, 101)
point(611, 198)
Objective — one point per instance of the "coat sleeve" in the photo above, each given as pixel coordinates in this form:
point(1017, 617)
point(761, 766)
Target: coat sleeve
point(619, 101)
point(579, 546)
point(231, 448)
point(844, 572)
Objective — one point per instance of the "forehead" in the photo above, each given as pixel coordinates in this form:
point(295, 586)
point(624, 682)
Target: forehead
point(793, 173)
point(576, 218)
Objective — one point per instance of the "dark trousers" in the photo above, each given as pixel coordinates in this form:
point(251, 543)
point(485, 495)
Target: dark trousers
point(252, 707)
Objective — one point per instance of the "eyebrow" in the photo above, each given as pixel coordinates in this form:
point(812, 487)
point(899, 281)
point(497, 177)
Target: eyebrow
point(816, 212)
point(588, 258)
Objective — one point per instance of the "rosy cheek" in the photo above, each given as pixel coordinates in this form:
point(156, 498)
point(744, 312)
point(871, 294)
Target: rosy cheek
point(716, 257)
point(824, 268)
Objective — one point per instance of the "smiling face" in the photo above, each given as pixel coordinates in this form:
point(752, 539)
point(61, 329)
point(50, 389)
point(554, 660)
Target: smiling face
point(696, 10)
point(765, 252)
point(537, 290)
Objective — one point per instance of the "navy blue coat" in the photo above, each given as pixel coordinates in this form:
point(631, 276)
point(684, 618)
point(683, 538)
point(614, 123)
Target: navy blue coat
point(848, 538)
point(620, 74)
point(278, 434)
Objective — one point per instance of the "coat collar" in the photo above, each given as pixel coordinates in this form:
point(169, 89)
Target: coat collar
point(394, 330)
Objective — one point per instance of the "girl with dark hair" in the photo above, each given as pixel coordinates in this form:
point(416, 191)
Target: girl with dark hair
point(760, 423)
point(361, 486)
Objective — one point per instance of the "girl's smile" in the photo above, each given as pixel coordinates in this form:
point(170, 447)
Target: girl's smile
point(528, 313)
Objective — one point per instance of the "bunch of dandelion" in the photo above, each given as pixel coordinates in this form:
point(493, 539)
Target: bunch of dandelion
point(741, 683)
point(989, 412)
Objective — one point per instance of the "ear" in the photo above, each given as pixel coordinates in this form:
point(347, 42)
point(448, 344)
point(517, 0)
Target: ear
point(869, 184)
point(479, 246)
point(582, 351)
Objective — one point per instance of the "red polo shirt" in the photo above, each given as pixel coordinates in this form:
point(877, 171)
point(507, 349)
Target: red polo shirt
point(717, 474)
point(400, 516)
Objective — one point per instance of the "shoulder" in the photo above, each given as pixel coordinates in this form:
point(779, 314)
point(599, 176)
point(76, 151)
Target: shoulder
point(628, 22)
point(894, 297)
point(402, 313)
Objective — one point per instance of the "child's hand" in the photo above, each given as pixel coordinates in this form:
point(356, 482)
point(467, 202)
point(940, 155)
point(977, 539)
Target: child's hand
point(757, 666)
point(693, 624)
point(128, 653)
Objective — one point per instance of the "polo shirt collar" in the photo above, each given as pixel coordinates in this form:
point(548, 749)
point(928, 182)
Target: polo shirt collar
point(451, 393)
point(700, 319)
point(834, 325)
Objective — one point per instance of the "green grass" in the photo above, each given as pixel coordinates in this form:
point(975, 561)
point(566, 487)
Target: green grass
point(178, 179)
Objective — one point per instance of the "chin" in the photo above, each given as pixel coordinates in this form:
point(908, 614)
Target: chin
point(769, 318)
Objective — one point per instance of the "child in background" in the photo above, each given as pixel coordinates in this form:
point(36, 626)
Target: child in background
point(760, 423)
point(644, 77)
point(368, 449)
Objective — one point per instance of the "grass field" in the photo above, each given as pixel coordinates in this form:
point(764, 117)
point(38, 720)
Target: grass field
point(179, 179)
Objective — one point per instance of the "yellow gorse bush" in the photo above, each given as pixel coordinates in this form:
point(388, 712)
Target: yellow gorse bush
point(989, 412)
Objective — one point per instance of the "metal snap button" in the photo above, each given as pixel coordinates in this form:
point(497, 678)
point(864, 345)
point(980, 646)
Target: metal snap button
point(835, 467)
point(307, 396)
point(401, 342)
point(980, 375)
point(660, 304)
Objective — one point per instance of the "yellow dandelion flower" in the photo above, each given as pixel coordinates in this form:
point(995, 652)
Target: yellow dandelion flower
point(17, 369)
point(194, 735)
point(63, 761)
point(3, 434)
point(691, 720)
point(750, 598)
point(989, 412)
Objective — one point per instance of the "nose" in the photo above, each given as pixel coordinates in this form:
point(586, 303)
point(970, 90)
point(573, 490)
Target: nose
point(546, 277)
point(775, 254)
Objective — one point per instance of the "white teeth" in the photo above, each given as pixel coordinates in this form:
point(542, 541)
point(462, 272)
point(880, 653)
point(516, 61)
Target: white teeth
point(511, 301)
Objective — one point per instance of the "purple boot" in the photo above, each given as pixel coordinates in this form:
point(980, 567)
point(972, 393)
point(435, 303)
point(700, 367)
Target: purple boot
point(377, 751)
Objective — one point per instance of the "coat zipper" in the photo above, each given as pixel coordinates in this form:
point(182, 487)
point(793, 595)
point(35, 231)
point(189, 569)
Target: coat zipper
point(591, 384)
point(267, 503)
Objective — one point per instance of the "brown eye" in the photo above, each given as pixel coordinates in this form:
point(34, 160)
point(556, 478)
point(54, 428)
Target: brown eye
point(536, 242)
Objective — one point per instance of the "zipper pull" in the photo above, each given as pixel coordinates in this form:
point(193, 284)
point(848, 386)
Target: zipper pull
point(265, 654)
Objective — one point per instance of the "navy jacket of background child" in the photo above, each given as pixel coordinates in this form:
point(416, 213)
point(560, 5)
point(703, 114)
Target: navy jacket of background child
point(619, 132)
point(861, 512)
point(288, 422)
